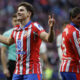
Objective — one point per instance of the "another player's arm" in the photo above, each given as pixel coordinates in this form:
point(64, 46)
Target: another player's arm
point(4, 61)
point(6, 40)
point(49, 37)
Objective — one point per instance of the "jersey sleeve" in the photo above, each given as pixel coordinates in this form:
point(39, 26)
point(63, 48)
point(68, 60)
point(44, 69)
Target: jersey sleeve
point(38, 28)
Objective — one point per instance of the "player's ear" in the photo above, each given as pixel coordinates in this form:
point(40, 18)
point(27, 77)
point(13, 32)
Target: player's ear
point(29, 13)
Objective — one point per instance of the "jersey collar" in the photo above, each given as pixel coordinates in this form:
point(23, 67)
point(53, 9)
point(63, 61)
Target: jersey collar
point(25, 25)
point(75, 25)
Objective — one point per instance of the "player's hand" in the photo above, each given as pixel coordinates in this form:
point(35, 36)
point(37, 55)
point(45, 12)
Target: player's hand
point(6, 72)
point(51, 21)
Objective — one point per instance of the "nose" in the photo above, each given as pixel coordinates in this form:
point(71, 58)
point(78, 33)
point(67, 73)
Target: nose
point(18, 13)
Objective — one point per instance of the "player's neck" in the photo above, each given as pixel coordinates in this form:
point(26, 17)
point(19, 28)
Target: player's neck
point(24, 22)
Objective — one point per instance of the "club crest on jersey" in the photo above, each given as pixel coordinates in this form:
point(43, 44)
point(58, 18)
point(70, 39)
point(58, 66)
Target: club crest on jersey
point(19, 44)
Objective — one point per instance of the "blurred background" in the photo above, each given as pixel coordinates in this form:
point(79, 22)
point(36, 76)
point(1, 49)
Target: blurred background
point(60, 9)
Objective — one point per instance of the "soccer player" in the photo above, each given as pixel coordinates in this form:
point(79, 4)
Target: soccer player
point(8, 68)
point(28, 38)
point(70, 65)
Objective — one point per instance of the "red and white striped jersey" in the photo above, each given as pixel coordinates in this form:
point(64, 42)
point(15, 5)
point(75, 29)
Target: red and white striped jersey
point(27, 40)
point(71, 49)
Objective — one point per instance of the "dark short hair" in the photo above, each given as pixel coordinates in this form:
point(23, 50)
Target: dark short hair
point(74, 12)
point(28, 6)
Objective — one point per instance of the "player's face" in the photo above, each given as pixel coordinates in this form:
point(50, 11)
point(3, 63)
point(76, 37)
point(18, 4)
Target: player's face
point(14, 21)
point(22, 13)
point(77, 20)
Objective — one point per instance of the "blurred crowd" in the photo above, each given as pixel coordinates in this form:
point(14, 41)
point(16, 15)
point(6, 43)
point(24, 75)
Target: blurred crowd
point(60, 9)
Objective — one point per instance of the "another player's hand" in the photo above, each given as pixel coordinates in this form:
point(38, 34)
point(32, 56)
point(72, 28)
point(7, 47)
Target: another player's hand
point(51, 21)
point(6, 72)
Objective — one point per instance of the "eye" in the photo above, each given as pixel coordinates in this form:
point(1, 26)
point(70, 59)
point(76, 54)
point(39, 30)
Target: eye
point(21, 9)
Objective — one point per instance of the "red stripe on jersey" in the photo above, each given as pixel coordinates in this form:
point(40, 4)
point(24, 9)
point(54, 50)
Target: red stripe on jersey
point(24, 63)
point(35, 68)
point(19, 37)
point(18, 64)
point(75, 69)
point(31, 68)
point(25, 42)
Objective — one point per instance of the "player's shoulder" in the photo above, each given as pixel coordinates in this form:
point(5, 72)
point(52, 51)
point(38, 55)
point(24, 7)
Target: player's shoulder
point(37, 25)
point(68, 28)
point(68, 31)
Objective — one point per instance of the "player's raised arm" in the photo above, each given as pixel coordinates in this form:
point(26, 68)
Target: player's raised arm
point(49, 37)
point(5, 40)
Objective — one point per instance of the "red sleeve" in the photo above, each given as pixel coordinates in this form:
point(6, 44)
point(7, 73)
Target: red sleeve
point(38, 28)
point(39, 32)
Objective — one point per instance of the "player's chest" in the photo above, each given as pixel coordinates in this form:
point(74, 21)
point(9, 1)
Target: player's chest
point(24, 34)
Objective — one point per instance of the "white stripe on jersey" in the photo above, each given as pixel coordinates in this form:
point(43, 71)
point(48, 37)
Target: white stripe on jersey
point(28, 50)
point(63, 65)
point(17, 38)
point(76, 42)
point(22, 40)
point(17, 54)
point(38, 26)
point(68, 65)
